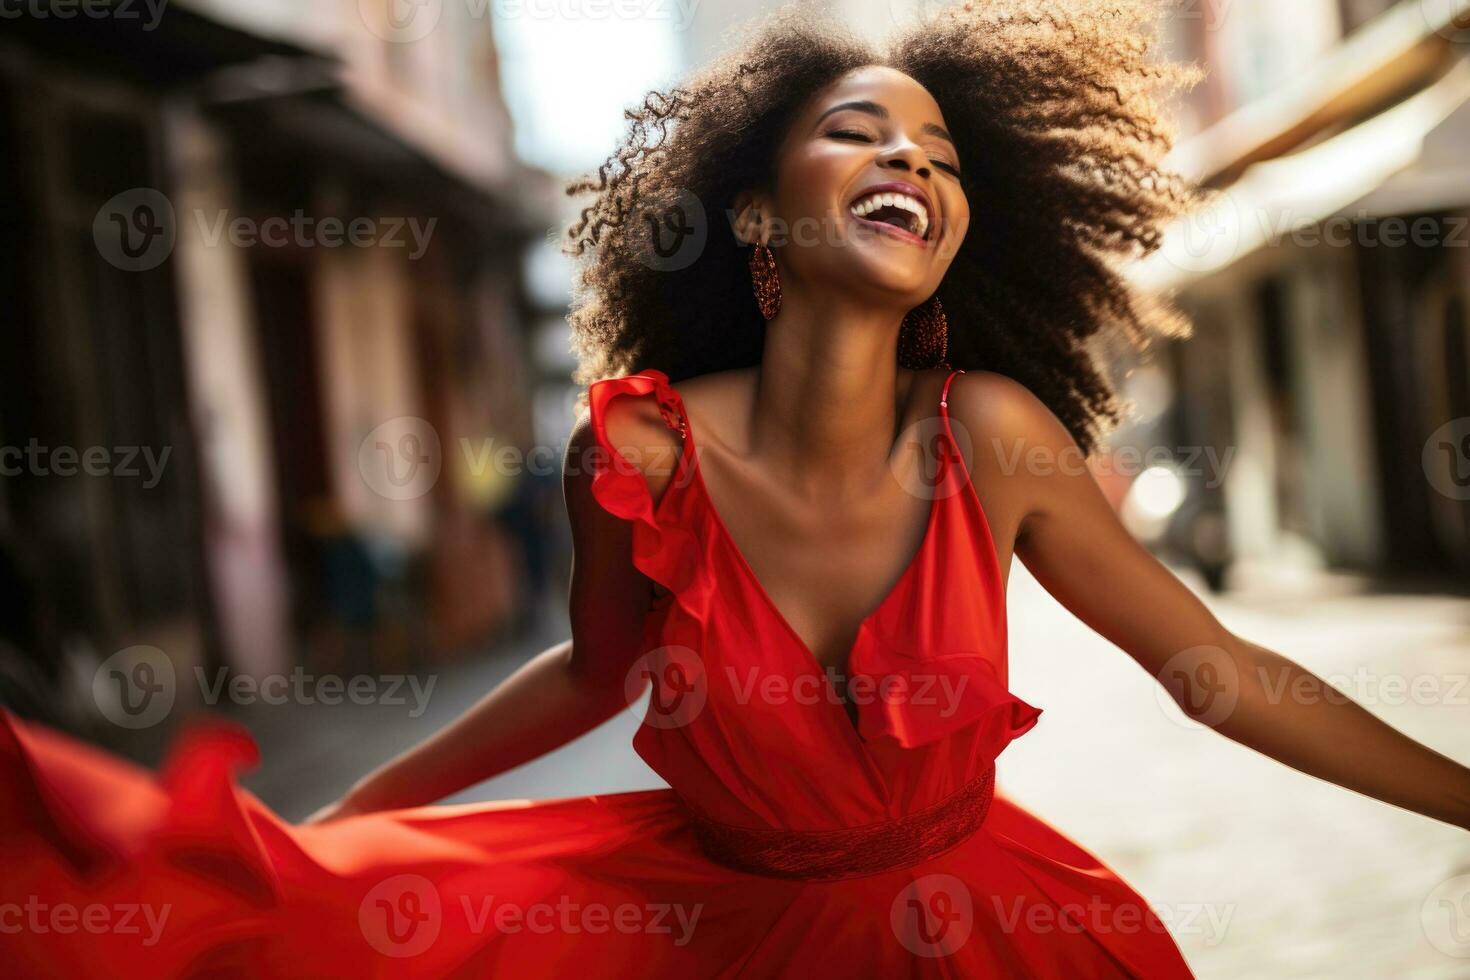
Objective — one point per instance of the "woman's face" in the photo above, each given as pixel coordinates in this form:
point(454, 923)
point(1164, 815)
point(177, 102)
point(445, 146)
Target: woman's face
point(867, 198)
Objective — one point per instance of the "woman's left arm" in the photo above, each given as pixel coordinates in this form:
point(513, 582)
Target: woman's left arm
point(1073, 543)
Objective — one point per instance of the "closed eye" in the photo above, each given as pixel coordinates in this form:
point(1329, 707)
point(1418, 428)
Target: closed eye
point(852, 134)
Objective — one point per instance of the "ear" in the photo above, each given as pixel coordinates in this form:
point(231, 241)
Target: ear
point(752, 218)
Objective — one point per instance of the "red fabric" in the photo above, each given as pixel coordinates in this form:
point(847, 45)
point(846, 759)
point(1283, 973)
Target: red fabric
point(741, 726)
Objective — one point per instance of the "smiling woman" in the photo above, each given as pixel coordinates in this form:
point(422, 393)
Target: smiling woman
point(1039, 134)
point(787, 534)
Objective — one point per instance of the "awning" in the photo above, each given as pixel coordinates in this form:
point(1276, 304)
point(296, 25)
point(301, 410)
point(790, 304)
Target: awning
point(1438, 179)
point(282, 95)
point(154, 45)
point(1336, 177)
point(1398, 52)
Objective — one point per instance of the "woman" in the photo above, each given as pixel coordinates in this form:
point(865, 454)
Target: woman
point(789, 546)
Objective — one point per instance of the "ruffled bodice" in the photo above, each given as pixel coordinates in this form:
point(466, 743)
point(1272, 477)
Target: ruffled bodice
point(743, 722)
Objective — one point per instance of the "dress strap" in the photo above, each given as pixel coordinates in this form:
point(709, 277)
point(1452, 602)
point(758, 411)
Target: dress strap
point(944, 395)
point(944, 409)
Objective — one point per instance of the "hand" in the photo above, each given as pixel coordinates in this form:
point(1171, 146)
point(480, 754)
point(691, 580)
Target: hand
point(336, 810)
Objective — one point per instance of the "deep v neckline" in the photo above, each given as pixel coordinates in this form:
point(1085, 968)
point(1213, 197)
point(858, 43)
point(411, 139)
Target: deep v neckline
point(764, 597)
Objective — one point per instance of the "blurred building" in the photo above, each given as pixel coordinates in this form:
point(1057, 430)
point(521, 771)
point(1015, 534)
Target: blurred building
point(267, 256)
point(1329, 281)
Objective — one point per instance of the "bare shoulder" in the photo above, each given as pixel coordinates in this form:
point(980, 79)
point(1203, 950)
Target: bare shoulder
point(998, 404)
point(1009, 439)
point(635, 432)
point(983, 407)
point(713, 399)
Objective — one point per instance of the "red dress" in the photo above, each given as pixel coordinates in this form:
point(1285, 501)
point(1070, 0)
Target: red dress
point(792, 842)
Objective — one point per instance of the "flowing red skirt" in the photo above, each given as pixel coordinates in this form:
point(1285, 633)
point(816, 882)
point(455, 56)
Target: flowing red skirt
point(113, 871)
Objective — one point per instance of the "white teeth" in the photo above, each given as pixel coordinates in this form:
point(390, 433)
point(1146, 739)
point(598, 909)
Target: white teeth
point(867, 205)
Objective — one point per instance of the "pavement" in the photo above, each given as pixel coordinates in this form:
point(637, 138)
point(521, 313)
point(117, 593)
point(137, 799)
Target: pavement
point(1260, 871)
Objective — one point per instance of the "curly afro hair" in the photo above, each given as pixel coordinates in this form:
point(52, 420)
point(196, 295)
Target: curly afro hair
point(1057, 113)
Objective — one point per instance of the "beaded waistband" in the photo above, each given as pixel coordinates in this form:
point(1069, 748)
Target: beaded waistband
point(851, 852)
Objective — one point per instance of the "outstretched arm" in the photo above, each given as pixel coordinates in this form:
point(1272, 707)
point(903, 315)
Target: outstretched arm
point(1072, 542)
point(560, 694)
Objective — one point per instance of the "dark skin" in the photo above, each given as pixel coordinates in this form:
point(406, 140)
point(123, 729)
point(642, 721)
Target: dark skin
point(806, 460)
point(803, 457)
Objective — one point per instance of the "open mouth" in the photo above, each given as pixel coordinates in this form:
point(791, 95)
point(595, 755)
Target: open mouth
point(894, 209)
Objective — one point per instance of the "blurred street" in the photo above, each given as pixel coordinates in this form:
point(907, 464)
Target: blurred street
point(1260, 871)
point(311, 753)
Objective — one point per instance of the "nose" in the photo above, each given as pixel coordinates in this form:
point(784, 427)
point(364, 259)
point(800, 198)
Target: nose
point(908, 156)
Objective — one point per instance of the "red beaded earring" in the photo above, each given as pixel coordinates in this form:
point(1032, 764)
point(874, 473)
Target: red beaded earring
point(765, 280)
point(923, 342)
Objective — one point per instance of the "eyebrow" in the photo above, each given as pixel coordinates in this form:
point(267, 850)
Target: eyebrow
point(874, 109)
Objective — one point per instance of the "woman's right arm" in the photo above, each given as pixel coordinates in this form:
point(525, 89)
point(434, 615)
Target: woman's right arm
point(563, 692)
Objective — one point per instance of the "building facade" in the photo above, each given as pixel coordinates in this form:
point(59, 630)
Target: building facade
point(1328, 283)
point(276, 249)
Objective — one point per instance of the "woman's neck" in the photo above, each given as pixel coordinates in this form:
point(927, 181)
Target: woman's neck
point(828, 394)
